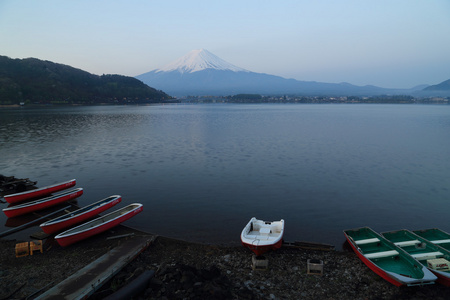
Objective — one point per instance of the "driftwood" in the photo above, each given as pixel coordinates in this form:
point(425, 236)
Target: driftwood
point(309, 246)
point(120, 236)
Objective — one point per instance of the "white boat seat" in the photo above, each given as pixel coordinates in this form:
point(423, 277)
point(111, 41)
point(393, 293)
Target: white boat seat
point(440, 241)
point(367, 241)
point(407, 243)
point(381, 254)
point(264, 231)
point(427, 255)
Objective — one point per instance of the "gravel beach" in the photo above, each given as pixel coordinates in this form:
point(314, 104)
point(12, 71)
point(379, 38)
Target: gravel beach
point(185, 270)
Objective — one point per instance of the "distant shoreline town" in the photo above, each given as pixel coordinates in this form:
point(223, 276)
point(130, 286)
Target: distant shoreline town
point(255, 98)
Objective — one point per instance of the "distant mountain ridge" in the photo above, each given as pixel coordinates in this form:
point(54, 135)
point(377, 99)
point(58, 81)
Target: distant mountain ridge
point(202, 73)
point(443, 86)
point(36, 81)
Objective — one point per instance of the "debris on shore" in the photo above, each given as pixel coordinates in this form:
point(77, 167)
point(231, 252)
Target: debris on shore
point(185, 270)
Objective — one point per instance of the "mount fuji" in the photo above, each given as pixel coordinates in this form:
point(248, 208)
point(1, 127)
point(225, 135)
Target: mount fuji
point(199, 60)
point(201, 73)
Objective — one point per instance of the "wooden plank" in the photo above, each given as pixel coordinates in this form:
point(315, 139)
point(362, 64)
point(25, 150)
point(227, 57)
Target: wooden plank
point(440, 241)
point(407, 243)
point(366, 241)
point(381, 254)
point(309, 246)
point(427, 255)
point(86, 281)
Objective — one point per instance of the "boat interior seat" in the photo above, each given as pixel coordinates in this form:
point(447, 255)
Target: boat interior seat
point(441, 241)
point(367, 241)
point(265, 231)
point(381, 254)
point(407, 243)
point(427, 255)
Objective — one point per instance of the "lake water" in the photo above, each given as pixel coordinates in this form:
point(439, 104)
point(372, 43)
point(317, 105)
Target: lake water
point(202, 171)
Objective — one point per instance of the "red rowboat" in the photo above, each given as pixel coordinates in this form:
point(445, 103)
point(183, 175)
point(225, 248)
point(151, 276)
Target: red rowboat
point(261, 236)
point(39, 204)
point(80, 215)
point(98, 225)
point(44, 191)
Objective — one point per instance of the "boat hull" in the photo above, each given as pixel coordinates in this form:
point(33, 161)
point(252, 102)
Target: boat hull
point(422, 276)
point(40, 192)
point(260, 250)
point(80, 215)
point(98, 225)
point(260, 236)
point(40, 204)
point(442, 278)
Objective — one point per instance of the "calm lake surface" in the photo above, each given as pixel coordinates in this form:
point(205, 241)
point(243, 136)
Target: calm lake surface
point(202, 171)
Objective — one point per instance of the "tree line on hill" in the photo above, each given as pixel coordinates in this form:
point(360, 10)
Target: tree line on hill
point(34, 81)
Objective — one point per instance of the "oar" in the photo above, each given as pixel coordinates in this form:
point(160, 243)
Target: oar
point(8, 232)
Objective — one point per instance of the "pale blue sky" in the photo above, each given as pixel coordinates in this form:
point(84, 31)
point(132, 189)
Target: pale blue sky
point(389, 43)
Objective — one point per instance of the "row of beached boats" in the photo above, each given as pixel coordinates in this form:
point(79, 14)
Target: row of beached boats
point(401, 257)
point(258, 235)
point(76, 225)
point(404, 257)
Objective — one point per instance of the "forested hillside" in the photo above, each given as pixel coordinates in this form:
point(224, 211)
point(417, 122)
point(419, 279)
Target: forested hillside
point(43, 82)
point(443, 86)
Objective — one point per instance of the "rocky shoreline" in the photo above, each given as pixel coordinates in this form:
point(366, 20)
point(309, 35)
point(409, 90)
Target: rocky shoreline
point(190, 271)
point(185, 270)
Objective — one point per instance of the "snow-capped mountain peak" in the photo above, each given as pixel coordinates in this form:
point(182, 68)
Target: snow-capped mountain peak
point(198, 60)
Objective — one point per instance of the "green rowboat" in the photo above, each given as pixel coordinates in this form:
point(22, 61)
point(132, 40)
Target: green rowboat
point(435, 258)
point(436, 236)
point(387, 260)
